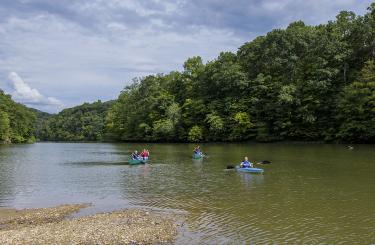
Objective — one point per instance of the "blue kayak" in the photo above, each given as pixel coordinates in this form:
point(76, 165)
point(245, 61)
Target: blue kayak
point(249, 170)
point(197, 156)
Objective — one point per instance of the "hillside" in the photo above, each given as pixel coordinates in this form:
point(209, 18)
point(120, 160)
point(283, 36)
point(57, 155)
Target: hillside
point(17, 122)
point(81, 123)
point(299, 83)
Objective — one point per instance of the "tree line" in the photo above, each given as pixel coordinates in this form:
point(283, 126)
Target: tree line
point(17, 122)
point(81, 123)
point(20, 124)
point(313, 83)
point(299, 83)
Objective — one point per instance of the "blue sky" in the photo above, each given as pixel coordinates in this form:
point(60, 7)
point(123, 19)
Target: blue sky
point(58, 54)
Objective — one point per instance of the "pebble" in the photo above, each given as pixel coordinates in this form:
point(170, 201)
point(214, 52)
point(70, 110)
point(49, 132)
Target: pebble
point(49, 226)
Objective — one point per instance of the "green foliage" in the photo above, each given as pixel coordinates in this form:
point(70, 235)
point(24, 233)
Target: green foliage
point(300, 83)
point(41, 118)
point(357, 108)
point(17, 122)
point(174, 114)
point(241, 126)
point(163, 129)
point(215, 125)
point(81, 123)
point(4, 127)
point(195, 134)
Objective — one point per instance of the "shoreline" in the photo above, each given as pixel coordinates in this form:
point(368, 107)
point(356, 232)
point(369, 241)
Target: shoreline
point(317, 142)
point(57, 225)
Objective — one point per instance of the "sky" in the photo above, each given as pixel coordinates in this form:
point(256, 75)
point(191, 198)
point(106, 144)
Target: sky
point(58, 54)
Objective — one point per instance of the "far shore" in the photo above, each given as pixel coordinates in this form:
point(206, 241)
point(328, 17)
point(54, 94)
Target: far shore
point(317, 142)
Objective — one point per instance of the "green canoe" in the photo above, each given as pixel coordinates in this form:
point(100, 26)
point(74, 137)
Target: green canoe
point(136, 161)
point(197, 156)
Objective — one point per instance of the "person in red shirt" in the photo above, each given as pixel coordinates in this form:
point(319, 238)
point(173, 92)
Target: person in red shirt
point(145, 154)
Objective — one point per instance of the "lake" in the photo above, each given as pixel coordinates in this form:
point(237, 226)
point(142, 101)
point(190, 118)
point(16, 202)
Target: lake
point(311, 193)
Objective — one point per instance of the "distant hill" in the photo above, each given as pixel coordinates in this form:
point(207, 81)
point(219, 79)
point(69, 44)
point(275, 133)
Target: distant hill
point(17, 122)
point(41, 118)
point(85, 122)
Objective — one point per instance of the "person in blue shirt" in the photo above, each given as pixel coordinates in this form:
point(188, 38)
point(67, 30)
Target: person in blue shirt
point(246, 164)
point(197, 150)
point(135, 155)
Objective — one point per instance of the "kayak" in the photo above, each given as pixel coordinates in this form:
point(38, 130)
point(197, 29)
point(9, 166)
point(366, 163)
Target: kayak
point(137, 161)
point(249, 170)
point(197, 156)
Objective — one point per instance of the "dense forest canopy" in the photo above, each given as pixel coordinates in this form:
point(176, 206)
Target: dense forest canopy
point(81, 123)
point(17, 122)
point(299, 83)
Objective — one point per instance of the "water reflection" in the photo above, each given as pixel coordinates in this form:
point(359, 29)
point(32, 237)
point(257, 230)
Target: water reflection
point(6, 176)
point(101, 163)
point(251, 180)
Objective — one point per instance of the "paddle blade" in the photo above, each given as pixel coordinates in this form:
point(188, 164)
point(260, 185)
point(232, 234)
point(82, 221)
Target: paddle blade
point(264, 162)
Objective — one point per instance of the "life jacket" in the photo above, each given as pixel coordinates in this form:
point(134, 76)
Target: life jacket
point(246, 164)
point(135, 156)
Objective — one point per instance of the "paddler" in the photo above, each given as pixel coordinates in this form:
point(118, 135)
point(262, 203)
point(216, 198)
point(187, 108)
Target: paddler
point(197, 150)
point(135, 155)
point(246, 163)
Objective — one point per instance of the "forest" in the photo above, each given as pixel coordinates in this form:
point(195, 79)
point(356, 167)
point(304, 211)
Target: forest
point(81, 123)
point(309, 83)
point(17, 122)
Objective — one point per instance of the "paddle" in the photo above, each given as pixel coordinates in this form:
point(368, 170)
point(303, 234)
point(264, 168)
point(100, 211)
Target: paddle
point(264, 162)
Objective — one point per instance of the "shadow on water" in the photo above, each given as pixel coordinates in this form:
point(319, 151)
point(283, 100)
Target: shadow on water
point(128, 153)
point(88, 164)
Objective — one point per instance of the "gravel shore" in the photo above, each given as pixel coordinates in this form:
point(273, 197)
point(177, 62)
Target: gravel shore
point(49, 226)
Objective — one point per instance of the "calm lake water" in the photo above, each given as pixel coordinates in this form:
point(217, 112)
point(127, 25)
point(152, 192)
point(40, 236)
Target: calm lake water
point(311, 193)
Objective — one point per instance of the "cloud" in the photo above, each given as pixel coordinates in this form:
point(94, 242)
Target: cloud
point(86, 50)
point(30, 96)
point(77, 64)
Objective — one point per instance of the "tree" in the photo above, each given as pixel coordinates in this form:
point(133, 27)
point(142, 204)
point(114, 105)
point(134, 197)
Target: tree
point(241, 126)
point(215, 125)
point(86, 122)
point(4, 127)
point(357, 108)
point(17, 121)
point(290, 84)
point(195, 134)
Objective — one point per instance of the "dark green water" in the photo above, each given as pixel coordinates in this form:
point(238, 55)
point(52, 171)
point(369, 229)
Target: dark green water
point(311, 193)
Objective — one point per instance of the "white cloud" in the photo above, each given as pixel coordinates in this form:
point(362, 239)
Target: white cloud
point(81, 51)
point(22, 91)
point(274, 5)
point(77, 65)
point(115, 26)
point(30, 96)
